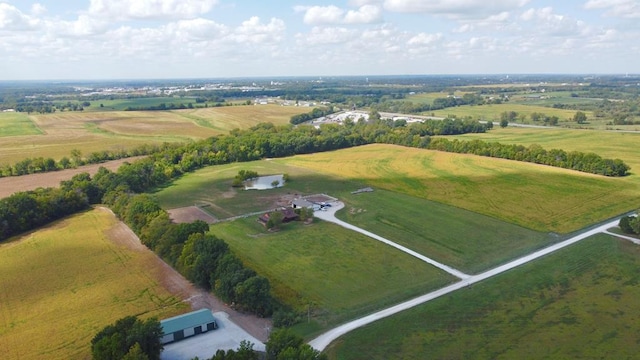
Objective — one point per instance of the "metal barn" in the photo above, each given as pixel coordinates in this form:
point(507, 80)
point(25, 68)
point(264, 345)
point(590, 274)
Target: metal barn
point(186, 325)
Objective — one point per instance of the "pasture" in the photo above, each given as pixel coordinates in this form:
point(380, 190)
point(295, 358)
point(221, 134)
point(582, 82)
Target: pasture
point(491, 112)
point(536, 197)
point(578, 303)
point(17, 124)
point(465, 240)
point(56, 134)
point(332, 272)
point(63, 283)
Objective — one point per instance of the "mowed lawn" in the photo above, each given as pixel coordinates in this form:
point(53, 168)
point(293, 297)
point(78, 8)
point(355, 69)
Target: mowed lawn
point(336, 273)
point(537, 197)
point(63, 283)
point(578, 303)
point(17, 124)
point(465, 240)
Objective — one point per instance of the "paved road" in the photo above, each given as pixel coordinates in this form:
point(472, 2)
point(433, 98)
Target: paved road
point(322, 341)
point(329, 215)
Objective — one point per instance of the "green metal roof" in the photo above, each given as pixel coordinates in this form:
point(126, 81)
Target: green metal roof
point(188, 320)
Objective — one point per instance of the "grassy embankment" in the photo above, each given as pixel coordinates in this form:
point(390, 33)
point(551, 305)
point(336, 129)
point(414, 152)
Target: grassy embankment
point(579, 303)
point(54, 135)
point(63, 283)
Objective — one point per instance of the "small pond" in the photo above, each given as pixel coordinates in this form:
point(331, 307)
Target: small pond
point(264, 182)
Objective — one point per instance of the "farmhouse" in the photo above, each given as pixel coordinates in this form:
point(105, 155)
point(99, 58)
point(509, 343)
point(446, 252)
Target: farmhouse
point(288, 215)
point(186, 325)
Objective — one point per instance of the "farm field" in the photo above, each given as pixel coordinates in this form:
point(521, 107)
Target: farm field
point(465, 240)
point(608, 144)
point(580, 302)
point(536, 197)
point(63, 283)
point(17, 124)
point(116, 130)
point(334, 272)
point(492, 112)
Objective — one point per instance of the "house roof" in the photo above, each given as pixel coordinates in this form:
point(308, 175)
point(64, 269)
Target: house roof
point(302, 203)
point(185, 321)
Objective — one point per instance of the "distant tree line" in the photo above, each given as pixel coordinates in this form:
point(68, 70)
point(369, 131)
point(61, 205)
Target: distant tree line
point(574, 160)
point(41, 164)
point(160, 107)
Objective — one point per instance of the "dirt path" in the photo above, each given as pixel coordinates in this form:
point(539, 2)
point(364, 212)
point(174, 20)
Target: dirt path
point(175, 283)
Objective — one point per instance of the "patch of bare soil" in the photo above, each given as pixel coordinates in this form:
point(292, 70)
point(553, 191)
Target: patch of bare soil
point(13, 184)
point(180, 287)
point(190, 214)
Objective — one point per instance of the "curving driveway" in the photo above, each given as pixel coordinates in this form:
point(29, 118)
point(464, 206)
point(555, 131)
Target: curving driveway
point(322, 341)
point(329, 214)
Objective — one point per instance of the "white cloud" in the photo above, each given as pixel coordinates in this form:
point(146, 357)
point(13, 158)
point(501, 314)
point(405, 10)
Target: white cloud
point(628, 9)
point(317, 15)
point(254, 31)
point(549, 23)
point(333, 15)
point(150, 9)
point(38, 9)
point(366, 14)
point(11, 18)
point(424, 39)
point(457, 9)
point(326, 35)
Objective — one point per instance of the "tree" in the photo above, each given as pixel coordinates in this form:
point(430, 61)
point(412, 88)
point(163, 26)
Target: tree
point(275, 220)
point(279, 340)
point(121, 339)
point(625, 225)
point(504, 123)
point(580, 117)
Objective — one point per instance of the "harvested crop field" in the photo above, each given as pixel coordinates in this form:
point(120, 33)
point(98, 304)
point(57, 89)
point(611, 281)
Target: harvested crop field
point(13, 184)
point(190, 214)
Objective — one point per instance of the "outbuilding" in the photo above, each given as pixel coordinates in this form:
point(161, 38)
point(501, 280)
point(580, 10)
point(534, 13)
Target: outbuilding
point(186, 325)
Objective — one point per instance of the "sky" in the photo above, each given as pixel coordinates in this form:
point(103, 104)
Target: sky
point(158, 39)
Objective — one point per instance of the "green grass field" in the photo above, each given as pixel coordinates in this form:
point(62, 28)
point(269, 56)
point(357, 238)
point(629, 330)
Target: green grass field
point(579, 303)
point(17, 124)
point(63, 283)
point(339, 273)
point(462, 239)
point(537, 197)
point(492, 112)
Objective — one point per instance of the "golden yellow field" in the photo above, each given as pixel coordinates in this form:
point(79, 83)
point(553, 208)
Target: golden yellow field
point(534, 196)
point(115, 130)
point(60, 285)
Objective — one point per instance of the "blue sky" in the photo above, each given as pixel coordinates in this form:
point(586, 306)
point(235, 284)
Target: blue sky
point(115, 39)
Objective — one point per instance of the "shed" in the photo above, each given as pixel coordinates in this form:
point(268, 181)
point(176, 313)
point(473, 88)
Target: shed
point(186, 325)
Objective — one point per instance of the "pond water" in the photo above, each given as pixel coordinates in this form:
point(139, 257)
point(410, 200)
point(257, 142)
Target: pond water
point(264, 182)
